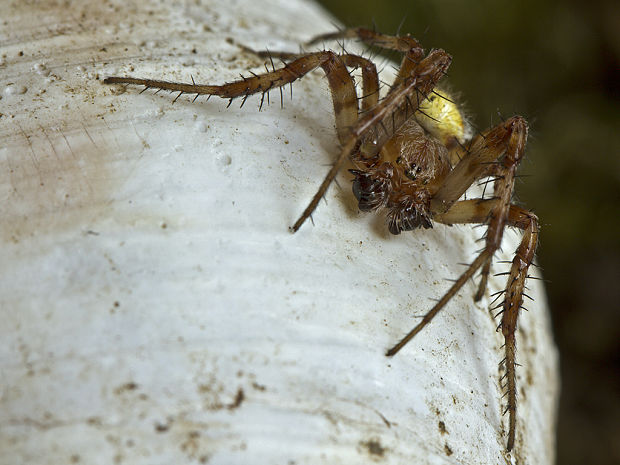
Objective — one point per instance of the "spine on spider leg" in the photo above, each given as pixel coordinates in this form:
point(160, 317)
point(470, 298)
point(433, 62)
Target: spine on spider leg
point(512, 305)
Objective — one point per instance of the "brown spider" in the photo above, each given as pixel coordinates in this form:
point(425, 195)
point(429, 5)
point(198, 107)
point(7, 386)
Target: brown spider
point(414, 158)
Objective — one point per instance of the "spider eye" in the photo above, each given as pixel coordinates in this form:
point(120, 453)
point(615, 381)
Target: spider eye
point(412, 171)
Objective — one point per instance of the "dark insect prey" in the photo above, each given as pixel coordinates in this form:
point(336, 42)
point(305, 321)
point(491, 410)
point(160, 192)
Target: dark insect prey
point(414, 159)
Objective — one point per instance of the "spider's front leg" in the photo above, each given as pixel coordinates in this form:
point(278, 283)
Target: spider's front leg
point(479, 211)
point(496, 152)
point(341, 84)
point(344, 97)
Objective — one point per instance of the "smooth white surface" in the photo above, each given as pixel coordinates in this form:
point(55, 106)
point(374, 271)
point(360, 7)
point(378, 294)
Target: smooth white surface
point(148, 276)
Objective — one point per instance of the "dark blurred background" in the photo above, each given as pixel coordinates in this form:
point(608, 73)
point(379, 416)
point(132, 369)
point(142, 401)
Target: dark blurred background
point(557, 64)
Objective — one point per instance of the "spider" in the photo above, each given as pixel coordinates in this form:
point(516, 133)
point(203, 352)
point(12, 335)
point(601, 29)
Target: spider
point(413, 158)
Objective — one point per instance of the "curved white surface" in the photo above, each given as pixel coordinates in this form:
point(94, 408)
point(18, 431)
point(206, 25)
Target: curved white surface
point(155, 307)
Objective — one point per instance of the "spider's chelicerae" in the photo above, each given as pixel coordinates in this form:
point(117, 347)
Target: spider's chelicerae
point(414, 159)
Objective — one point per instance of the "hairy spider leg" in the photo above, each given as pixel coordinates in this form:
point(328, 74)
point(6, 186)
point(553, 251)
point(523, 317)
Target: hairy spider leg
point(412, 49)
point(479, 211)
point(341, 84)
point(506, 143)
point(388, 42)
point(370, 77)
point(344, 97)
point(481, 160)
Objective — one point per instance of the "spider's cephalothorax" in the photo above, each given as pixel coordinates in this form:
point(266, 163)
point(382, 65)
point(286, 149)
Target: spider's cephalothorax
point(411, 166)
point(413, 157)
point(403, 177)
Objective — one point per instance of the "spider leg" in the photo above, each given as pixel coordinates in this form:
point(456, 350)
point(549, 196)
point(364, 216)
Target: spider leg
point(344, 97)
point(370, 77)
point(343, 93)
point(370, 37)
point(406, 44)
point(442, 302)
point(478, 211)
point(497, 152)
point(511, 306)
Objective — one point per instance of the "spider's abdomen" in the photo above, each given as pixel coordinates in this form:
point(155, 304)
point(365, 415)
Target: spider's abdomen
point(442, 117)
